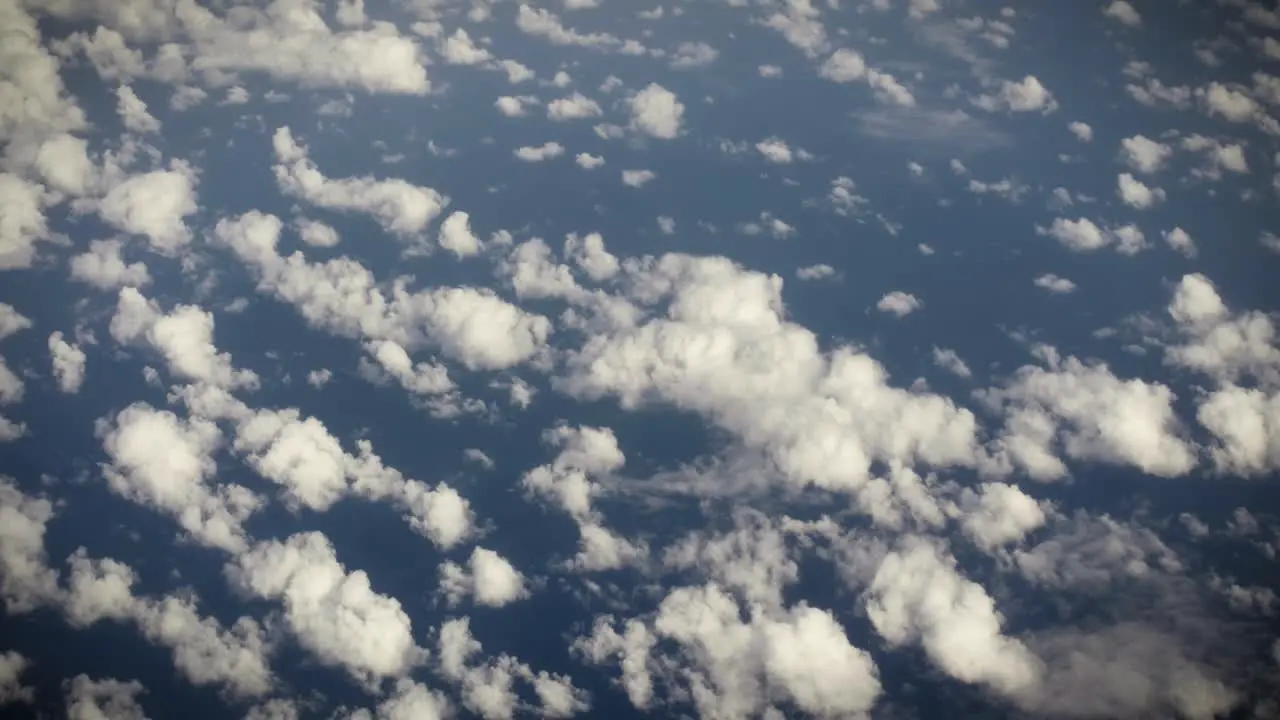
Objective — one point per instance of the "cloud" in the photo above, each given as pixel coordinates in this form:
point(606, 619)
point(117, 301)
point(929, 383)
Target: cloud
point(1180, 241)
point(511, 106)
point(1088, 414)
point(488, 578)
point(103, 266)
point(487, 688)
point(587, 161)
point(63, 163)
point(24, 223)
point(764, 361)
point(545, 24)
point(738, 667)
point(1082, 131)
point(474, 327)
point(999, 514)
point(154, 205)
point(159, 460)
point(292, 43)
point(656, 112)
point(89, 699)
point(1231, 349)
point(815, 272)
point(316, 233)
point(12, 666)
point(574, 107)
point(68, 363)
point(300, 455)
point(1081, 235)
point(775, 150)
point(946, 130)
point(948, 360)
point(690, 55)
point(458, 49)
point(398, 206)
point(1144, 154)
point(1025, 95)
point(899, 304)
point(456, 235)
point(184, 337)
point(1055, 284)
point(27, 582)
point(1123, 13)
point(12, 321)
point(539, 153)
point(589, 254)
point(204, 652)
point(918, 595)
point(637, 178)
point(335, 615)
point(133, 112)
point(845, 66)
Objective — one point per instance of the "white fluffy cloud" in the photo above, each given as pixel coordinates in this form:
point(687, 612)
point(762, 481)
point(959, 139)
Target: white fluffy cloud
point(133, 112)
point(23, 223)
point(844, 66)
point(103, 266)
point(12, 321)
point(638, 178)
point(204, 652)
point(1234, 350)
point(488, 578)
point(89, 699)
point(831, 415)
point(159, 460)
point(475, 327)
point(1136, 194)
point(1144, 154)
point(488, 687)
point(154, 205)
point(738, 668)
point(287, 41)
point(918, 595)
point(574, 107)
point(334, 614)
point(538, 153)
point(68, 363)
point(308, 463)
point(899, 304)
point(775, 150)
point(1087, 413)
point(656, 112)
point(1055, 284)
point(456, 235)
point(567, 481)
point(459, 49)
point(1025, 95)
point(1082, 131)
point(398, 206)
point(12, 665)
point(1181, 241)
point(1122, 12)
point(1083, 235)
point(184, 337)
point(998, 514)
point(26, 580)
point(316, 233)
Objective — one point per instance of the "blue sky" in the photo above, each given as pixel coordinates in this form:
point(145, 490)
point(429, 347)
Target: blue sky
point(722, 359)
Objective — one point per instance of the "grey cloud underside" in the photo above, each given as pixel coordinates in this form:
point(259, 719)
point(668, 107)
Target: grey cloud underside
point(390, 359)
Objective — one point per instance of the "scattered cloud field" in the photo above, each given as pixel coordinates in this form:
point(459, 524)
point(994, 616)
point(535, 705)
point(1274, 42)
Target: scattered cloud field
point(412, 359)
